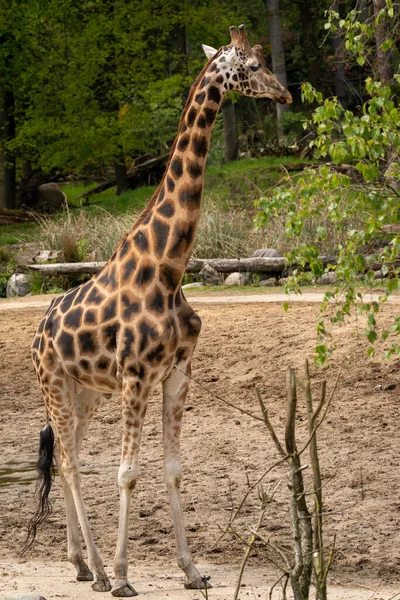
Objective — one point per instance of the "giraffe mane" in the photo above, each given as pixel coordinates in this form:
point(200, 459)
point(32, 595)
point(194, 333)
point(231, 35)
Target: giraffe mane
point(193, 88)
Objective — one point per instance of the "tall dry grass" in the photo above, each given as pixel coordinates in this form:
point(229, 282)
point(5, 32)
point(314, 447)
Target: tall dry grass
point(220, 234)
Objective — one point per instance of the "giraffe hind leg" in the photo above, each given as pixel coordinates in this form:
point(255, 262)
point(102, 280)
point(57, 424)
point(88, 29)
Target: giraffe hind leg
point(74, 548)
point(72, 423)
point(85, 405)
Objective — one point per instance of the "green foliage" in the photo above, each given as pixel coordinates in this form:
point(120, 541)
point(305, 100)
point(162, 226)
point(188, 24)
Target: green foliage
point(94, 82)
point(7, 268)
point(54, 284)
point(357, 207)
point(358, 34)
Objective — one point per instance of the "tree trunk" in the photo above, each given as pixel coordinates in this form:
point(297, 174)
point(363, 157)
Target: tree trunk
point(385, 72)
point(231, 141)
point(362, 6)
point(121, 175)
point(309, 13)
point(7, 158)
point(340, 80)
point(277, 50)
point(183, 48)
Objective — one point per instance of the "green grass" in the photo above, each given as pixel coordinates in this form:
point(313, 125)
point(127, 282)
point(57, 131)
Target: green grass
point(238, 184)
point(18, 233)
point(108, 200)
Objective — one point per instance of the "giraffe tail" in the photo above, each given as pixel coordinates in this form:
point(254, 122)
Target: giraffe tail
point(45, 471)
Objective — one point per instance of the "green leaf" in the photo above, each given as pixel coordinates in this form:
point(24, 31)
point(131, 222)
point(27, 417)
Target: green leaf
point(371, 335)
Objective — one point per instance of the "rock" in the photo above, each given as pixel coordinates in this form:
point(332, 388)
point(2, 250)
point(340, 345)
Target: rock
point(18, 285)
point(49, 197)
point(271, 282)
point(210, 276)
point(195, 284)
point(327, 278)
point(379, 275)
point(267, 253)
point(237, 279)
point(46, 256)
point(27, 257)
point(35, 597)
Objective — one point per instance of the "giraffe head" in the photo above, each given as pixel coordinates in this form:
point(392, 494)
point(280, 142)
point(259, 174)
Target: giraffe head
point(244, 69)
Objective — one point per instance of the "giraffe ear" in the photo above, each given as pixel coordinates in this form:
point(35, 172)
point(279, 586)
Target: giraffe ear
point(209, 51)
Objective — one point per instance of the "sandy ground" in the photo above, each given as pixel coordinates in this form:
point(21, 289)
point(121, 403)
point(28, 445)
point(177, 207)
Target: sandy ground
point(242, 347)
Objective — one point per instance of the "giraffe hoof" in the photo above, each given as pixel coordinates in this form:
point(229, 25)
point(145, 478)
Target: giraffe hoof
point(101, 585)
point(124, 591)
point(85, 576)
point(201, 583)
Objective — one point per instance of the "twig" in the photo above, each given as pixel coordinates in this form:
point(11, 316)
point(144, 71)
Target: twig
point(206, 389)
point(276, 583)
point(269, 424)
point(247, 555)
point(272, 545)
point(328, 402)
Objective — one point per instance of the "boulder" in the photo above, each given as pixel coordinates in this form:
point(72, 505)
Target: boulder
point(35, 597)
point(327, 278)
point(18, 285)
point(49, 197)
point(47, 256)
point(267, 253)
point(210, 276)
point(237, 279)
point(270, 282)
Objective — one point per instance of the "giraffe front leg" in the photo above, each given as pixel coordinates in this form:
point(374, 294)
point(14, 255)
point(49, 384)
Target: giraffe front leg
point(133, 413)
point(175, 389)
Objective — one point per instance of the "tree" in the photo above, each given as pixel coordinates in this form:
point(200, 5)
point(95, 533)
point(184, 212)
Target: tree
point(277, 50)
point(383, 52)
point(363, 209)
point(7, 158)
point(231, 141)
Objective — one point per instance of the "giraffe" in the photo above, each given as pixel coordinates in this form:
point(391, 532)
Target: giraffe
point(130, 327)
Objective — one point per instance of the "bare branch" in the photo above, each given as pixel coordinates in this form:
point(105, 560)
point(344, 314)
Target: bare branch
point(328, 402)
point(239, 508)
point(277, 582)
point(269, 425)
point(206, 389)
point(291, 415)
point(247, 555)
point(273, 546)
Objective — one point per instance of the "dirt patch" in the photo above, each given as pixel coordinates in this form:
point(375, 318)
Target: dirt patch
point(241, 347)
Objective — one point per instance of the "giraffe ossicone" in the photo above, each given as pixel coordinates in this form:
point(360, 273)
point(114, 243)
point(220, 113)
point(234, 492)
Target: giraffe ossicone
point(128, 327)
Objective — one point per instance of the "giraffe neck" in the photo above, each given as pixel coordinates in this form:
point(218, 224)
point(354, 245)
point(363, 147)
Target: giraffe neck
point(163, 237)
point(183, 184)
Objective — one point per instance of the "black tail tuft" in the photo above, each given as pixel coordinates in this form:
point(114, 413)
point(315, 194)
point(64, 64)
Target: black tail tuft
point(45, 471)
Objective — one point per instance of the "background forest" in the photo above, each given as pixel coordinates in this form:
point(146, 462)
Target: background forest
point(89, 86)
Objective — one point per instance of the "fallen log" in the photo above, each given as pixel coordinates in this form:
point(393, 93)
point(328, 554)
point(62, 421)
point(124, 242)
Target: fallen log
point(135, 173)
point(275, 265)
point(9, 216)
point(67, 268)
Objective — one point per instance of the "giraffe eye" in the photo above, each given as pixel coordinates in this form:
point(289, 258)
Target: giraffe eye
point(254, 67)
